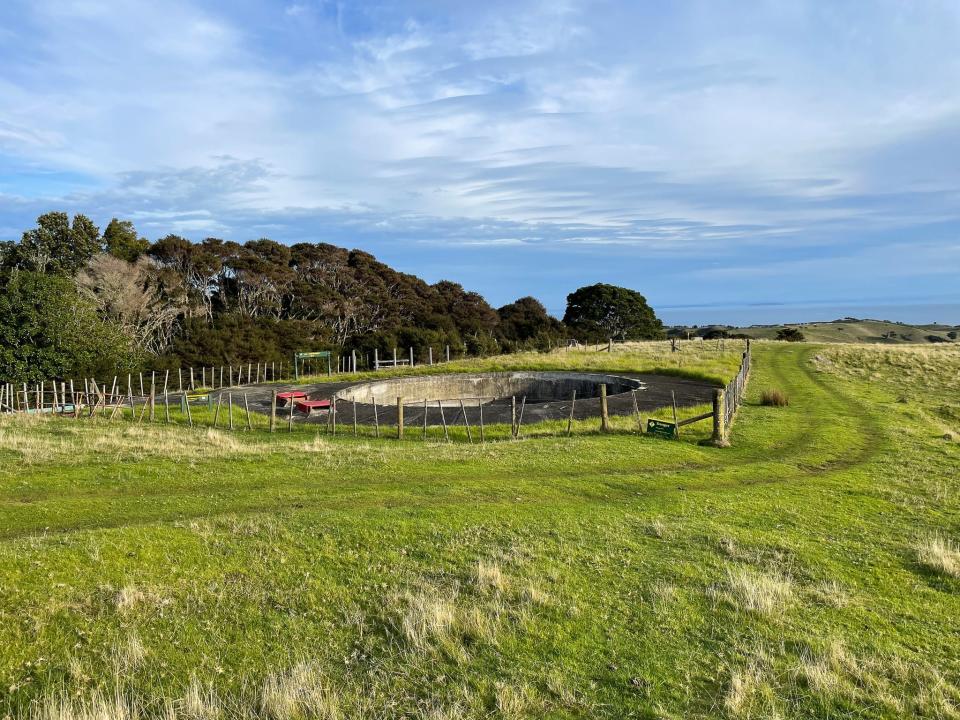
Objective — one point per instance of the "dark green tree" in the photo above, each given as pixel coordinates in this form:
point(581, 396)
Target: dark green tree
point(55, 246)
point(526, 322)
point(48, 329)
point(120, 239)
point(598, 312)
point(790, 334)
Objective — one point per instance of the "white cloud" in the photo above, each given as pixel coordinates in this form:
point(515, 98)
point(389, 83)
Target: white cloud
point(604, 124)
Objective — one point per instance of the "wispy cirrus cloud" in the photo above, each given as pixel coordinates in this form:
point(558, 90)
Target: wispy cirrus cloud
point(592, 140)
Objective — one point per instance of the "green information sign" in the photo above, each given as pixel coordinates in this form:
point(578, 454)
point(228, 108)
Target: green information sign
point(308, 356)
point(660, 428)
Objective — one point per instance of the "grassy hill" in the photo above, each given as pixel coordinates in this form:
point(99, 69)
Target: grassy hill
point(811, 570)
point(851, 330)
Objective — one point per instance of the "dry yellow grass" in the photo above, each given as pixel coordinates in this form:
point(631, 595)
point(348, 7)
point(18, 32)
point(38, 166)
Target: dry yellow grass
point(758, 592)
point(939, 555)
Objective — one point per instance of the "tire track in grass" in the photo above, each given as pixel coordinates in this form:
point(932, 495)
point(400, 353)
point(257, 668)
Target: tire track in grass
point(783, 364)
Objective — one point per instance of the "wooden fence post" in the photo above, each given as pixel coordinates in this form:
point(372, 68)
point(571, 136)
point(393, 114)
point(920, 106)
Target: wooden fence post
point(273, 410)
point(513, 416)
point(399, 418)
point(466, 422)
point(153, 396)
point(573, 404)
point(636, 409)
point(430, 355)
point(443, 421)
point(673, 398)
point(604, 411)
point(411, 357)
point(719, 419)
point(480, 410)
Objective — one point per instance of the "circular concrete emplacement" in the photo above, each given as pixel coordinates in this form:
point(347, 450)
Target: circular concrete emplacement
point(535, 386)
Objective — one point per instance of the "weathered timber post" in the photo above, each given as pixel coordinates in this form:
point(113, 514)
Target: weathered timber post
point(353, 363)
point(573, 404)
point(523, 404)
point(246, 408)
point(424, 419)
point(399, 418)
point(636, 409)
point(376, 416)
point(394, 358)
point(376, 360)
point(604, 411)
point(230, 409)
point(430, 355)
point(448, 353)
point(411, 357)
point(480, 411)
point(443, 421)
point(466, 422)
point(719, 419)
point(186, 404)
point(153, 396)
point(290, 416)
point(513, 416)
point(273, 410)
point(676, 424)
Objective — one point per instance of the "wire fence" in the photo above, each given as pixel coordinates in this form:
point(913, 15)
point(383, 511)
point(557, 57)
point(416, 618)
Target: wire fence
point(177, 398)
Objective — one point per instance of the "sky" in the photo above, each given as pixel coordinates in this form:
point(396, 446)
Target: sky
point(710, 154)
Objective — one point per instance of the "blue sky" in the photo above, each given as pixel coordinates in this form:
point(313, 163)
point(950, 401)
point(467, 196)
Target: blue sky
point(705, 153)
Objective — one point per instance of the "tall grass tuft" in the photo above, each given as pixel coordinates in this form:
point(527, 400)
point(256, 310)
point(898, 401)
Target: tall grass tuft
point(939, 555)
point(774, 398)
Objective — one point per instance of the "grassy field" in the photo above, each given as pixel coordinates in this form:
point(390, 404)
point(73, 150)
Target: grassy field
point(696, 361)
point(856, 331)
point(811, 570)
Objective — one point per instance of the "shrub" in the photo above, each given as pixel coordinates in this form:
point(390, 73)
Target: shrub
point(790, 334)
point(774, 398)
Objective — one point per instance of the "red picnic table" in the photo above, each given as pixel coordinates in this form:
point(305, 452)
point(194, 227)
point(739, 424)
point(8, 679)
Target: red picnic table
point(308, 406)
point(292, 396)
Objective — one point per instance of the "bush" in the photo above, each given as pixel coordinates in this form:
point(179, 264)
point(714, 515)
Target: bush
point(790, 335)
point(774, 398)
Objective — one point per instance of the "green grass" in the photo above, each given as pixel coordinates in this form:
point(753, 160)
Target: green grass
point(803, 572)
point(706, 361)
point(855, 331)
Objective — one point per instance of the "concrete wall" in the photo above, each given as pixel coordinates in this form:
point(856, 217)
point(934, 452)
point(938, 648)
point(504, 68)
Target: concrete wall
point(535, 386)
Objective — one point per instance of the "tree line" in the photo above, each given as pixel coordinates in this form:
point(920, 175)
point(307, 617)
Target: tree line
point(80, 302)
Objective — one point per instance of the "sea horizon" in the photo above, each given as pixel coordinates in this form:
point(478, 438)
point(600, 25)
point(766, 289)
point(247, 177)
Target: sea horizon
point(944, 313)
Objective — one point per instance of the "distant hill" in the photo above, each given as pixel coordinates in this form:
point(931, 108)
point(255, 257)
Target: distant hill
point(850, 330)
